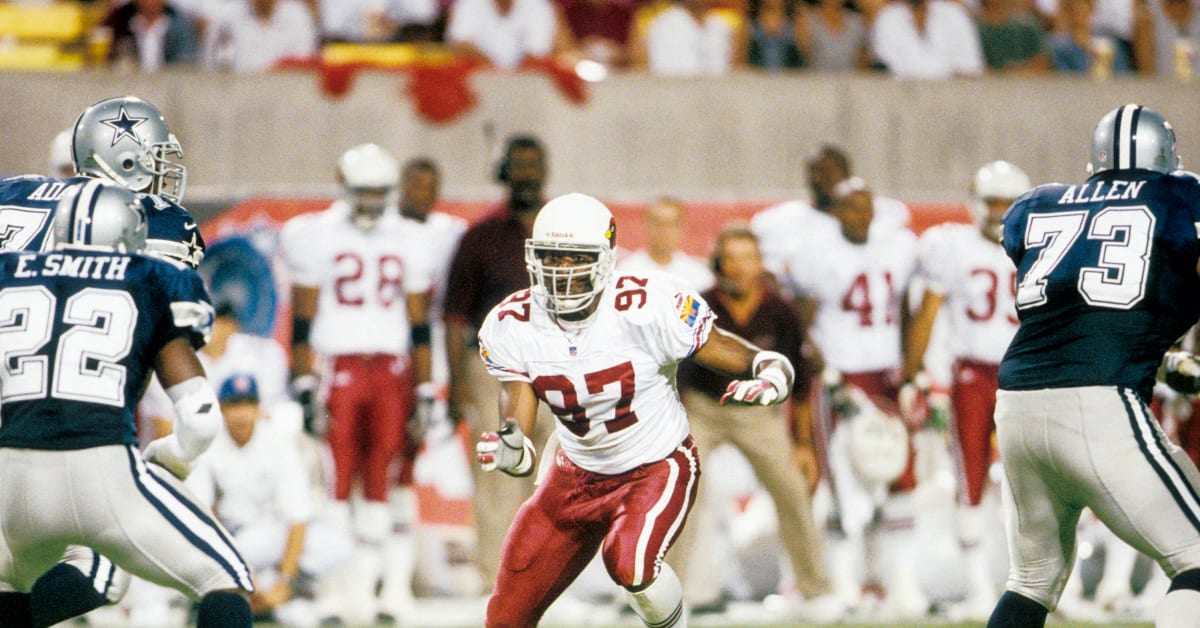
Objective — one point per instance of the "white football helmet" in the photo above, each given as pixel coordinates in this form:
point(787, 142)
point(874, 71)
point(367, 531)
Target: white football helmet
point(572, 223)
point(878, 441)
point(100, 215)
point(60, 163)
point(371, 182)
point(126, 140)
point(996, 181)
point(1131, 137)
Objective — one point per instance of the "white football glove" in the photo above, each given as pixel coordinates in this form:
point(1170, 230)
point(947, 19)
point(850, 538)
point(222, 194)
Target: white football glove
point(1182, 372)
point(773, 376)
point(168, 454)
point(508, 450)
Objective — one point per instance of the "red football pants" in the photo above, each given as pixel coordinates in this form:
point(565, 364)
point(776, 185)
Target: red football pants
point(370, 400)
point(632, 517)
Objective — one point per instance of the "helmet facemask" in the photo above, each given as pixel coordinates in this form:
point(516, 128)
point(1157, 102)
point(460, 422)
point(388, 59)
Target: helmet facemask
point(170, 176)
point(561, 285)
point(368, 205)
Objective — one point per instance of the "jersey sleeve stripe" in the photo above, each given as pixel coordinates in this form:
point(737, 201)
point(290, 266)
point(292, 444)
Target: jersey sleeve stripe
point(702, 329)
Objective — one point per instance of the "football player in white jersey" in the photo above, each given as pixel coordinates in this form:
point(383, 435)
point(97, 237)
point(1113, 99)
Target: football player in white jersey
point(664, 234)
point(601, 352)
point(968, 276)
point(851, 288)
point(788, 227)
point(360, 302)
point(438, 234)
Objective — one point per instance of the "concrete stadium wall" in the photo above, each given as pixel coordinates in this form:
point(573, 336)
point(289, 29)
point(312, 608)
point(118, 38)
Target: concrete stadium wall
point(739, 137)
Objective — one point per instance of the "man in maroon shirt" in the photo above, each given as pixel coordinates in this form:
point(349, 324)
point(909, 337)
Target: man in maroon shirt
point(780, 452)
point(488, 266)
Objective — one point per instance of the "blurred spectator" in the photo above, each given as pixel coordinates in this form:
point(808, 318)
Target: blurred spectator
point(832, 37)
point(254, 478)
point(664, 234)
point(253, 36)
point(927, 39)
point(378, 20)
point(600, 29)
point(505, 32)
point(774, 35)
point(1176, 38)
point(1013, 42)
point(153, 33)
point(1075, 47)
point(691, 38)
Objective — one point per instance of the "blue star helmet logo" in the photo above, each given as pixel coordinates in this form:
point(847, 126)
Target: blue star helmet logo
point(123, 126)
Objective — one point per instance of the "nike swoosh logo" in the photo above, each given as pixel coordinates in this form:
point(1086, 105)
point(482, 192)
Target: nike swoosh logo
point(189, 226)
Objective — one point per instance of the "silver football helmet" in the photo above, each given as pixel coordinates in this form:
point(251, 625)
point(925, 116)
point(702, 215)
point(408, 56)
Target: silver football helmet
point(371, 182)
point(572, 224)
point(102, 216)
point(127, 141)
point(1131, 137)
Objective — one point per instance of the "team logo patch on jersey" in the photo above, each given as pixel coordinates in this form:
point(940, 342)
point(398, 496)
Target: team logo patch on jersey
point(689, 311)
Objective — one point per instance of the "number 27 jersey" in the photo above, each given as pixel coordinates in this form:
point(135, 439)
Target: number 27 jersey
point(611, 382)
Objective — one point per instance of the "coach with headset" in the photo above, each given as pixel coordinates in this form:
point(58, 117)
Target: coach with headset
point(488, 266)
point(780, 451)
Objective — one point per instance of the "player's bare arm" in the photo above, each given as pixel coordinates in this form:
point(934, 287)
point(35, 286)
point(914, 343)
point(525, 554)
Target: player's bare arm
point(772, 373)
point(918, 332)
point(418, 317)
point(198, 415)
point(304, 310)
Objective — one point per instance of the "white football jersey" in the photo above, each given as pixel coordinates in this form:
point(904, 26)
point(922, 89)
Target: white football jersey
point(363, 278)
point(860, 290)
point(783, 229)
point(978, 282)
point(611, 381)
point(263, 480)
point(692, 272)
point(439, 236)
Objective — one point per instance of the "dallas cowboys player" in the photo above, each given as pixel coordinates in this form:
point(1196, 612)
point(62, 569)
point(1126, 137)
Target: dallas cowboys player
point(80, 328)
point(124, 140)
point(1107, 279)
point(601, 352)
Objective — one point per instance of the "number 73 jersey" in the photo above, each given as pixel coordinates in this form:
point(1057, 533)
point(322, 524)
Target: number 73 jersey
point(1106, 279)
point(610, 381)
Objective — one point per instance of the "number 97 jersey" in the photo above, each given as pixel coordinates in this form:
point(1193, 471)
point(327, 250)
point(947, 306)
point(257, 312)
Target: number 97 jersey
point(610, 380)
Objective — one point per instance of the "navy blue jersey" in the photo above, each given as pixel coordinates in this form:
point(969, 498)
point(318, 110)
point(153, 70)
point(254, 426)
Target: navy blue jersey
point(27, 217)
point(1106, 279)
point(79, 334)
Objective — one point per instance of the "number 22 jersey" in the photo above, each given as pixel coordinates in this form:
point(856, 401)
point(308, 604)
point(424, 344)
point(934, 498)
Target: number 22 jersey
point(610, 381)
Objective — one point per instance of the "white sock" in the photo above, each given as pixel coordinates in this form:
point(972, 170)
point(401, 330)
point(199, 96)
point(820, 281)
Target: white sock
point(399, 551)
point(660, 605)
point(1179, 609)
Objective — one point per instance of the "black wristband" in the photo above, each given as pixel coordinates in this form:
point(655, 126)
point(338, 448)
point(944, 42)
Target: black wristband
point(300, 330)
point(421, 334)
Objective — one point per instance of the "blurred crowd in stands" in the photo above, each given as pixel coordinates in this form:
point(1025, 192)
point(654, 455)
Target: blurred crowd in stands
point(928, 39)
